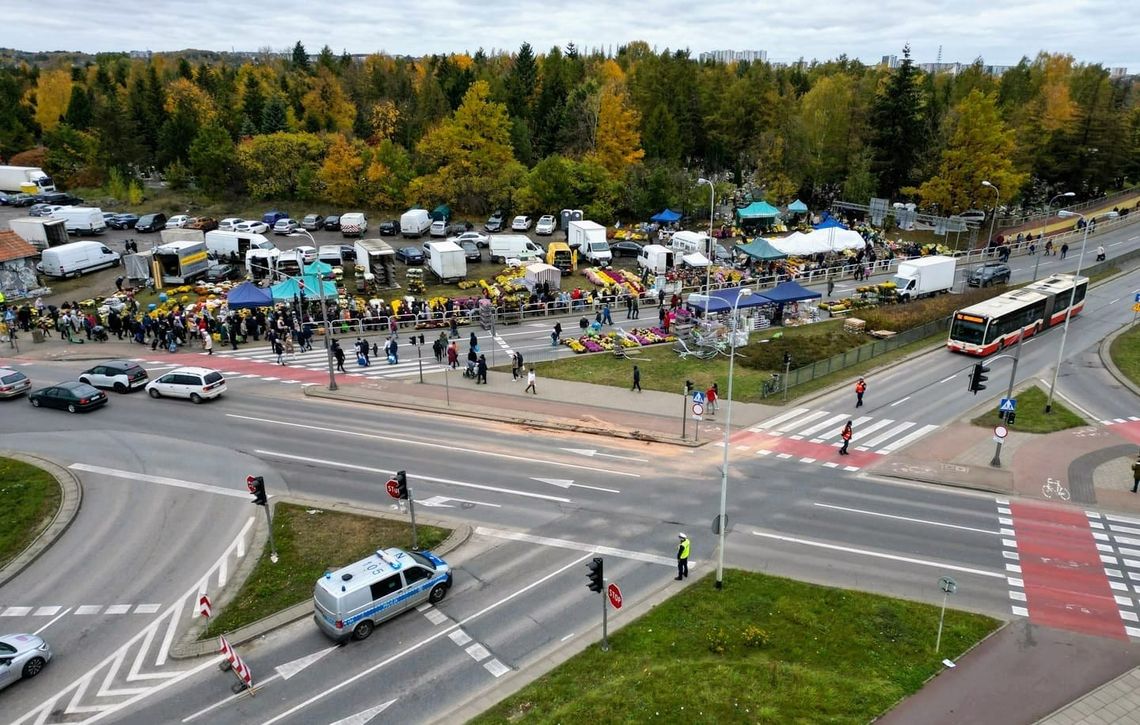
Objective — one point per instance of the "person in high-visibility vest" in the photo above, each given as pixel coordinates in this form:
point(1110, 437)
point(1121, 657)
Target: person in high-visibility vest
point(846, 436)
point(683, 558)
point(860, 388)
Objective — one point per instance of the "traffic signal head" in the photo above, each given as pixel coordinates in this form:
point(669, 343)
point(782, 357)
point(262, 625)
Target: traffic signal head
point(978, 377)
point(256, 486)
point(787, 358)
point(1009, 417)
point(595, 574)
point(402, 483)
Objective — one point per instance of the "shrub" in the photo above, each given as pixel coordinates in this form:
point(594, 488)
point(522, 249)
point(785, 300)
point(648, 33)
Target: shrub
point(718, 641)
point(755, 637)
point(912, 314)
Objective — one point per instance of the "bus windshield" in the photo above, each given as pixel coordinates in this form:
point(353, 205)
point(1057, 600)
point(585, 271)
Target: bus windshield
point(967, 331)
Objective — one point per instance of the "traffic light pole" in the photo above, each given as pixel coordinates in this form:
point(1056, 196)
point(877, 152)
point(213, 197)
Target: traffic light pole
point(605, 615)
point(272, 545)
point(996, 461)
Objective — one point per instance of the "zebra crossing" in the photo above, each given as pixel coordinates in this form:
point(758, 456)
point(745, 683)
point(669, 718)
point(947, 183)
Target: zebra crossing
point(316, 360)
point(813, 436)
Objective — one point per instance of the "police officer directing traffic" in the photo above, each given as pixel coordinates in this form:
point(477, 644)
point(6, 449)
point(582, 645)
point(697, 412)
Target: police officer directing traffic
point(683, 558)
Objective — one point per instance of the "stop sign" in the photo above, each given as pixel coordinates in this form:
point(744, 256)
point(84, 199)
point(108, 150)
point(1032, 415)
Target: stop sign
point(615, 595)
point(393, 488)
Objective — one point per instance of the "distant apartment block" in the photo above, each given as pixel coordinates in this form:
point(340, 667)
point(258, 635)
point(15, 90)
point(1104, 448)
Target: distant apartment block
point(734, 56)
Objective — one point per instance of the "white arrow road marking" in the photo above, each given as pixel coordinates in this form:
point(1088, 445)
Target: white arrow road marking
point(567, 483)
point(163, 480)
point(289, 669)
point(592, 453)
point(441, 502)
point(364, 716)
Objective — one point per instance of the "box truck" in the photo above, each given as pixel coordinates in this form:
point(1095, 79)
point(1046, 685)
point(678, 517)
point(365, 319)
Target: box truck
point(579, 234)
point(447, 260)
point(81, 219)
point(39, 232)
point(924, 276)
point(414, 222)
point(513, 246)
point(234, 245)
point(26, 179)
point(182, 235)
point(180, 262)
point(376, 261)
point(77, 258)
point(656, 258)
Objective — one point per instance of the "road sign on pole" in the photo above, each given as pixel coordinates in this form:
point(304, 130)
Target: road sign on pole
point(1008, 405)
point(204, 608)
point(614, 593)
point(698, 411)
point(948, 587)
point(698, 397)
point(393, 487)
point(1000, 431)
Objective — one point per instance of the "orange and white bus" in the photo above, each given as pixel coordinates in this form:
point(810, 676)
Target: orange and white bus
point(989, 326)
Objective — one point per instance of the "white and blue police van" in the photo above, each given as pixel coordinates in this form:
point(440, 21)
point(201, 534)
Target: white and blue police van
point(351, 601)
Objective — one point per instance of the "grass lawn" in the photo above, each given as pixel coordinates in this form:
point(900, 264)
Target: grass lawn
point(29, 498)
point(308, 544)
point(1125, 352)
point(1031, 416)
point(764, 649)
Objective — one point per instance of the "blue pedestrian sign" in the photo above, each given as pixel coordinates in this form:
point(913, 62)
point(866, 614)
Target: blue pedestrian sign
point(698, 397)
point(1008, 405)
point(1137, 300)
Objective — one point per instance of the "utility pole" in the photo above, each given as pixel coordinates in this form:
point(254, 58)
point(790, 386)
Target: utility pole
point(996, 461)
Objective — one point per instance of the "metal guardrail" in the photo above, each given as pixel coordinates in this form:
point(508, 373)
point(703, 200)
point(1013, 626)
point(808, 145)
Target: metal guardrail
point(1018, 221)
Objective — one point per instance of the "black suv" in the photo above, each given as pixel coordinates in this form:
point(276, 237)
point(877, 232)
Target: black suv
point(497, 222)
point(990, 273)
point(151, 222)
point(389, 228)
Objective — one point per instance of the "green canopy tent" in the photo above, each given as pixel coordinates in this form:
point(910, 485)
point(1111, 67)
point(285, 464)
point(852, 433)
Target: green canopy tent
point(757, 214)
point(760, 249)
point(287, 290)
point(797, 207)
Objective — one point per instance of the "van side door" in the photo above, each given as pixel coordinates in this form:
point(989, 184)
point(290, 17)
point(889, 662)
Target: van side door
point(385, 593)
point(416, 584)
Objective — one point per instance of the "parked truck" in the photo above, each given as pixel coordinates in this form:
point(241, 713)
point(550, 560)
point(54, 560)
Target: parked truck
point(656, 258)
point(375, 262)
point(81, 219)
point(180, 262)
point(924, 276)
point(579, 234)
point(26, 179)
point(40, 232)
point(560, 255)
point(447, 260)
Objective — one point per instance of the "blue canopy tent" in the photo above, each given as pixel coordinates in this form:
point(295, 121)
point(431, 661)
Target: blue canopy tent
point(288, 290)
point(829, 222)
point(762, 249)
point(724, 299)
point(247, 295)
point(789, 292)
point(797, 207)
point(668, 216)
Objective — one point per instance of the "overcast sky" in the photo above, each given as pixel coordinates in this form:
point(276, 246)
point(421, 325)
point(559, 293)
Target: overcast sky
point(1001, 32)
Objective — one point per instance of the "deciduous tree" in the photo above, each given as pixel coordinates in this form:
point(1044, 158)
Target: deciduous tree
point(341, 175)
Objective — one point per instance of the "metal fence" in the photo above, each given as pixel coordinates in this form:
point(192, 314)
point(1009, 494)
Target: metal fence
point(1100, 200)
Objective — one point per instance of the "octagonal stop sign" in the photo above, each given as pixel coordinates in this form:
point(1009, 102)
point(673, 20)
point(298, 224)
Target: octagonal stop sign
point(614, 594)
point(393, 487)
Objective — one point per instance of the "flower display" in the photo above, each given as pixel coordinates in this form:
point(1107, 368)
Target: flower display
point(605, 341)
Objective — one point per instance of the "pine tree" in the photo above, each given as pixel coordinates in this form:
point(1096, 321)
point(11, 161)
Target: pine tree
point(79, 110)
point(897, 127)
point(274, 117)
point(300, 58)
point(521, 82)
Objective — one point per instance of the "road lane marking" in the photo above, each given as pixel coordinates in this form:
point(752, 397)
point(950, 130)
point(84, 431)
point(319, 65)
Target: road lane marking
point(426, 444)
point(53, 621)
point(441, 633)
point(906, 518)
point(163, 480)
point(900, 401)
point(943, 380)
point(778, 419)
point(575, 546)
point(47, 611)
point(907, 439)
point(447, 481)
point(881, 555)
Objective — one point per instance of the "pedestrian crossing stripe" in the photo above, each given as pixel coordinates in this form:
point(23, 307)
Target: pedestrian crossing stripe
point(809, 435)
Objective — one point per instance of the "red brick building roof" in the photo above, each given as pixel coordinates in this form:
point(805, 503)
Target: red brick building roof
point(13, 247)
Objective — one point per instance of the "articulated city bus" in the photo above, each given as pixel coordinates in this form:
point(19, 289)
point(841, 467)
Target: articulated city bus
point(987, 327)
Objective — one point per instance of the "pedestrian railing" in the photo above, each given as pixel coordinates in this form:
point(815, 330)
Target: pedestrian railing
point(1099, 201)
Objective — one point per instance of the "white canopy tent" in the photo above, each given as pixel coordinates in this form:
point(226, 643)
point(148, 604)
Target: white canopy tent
point(536, 274)
point(833, 239)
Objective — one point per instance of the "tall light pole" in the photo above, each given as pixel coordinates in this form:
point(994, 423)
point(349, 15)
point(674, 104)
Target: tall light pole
point(1069, 311)
point(324, 312)
point(1045, 229)
point(708, 268)
point(740, 294)
point(993, 219)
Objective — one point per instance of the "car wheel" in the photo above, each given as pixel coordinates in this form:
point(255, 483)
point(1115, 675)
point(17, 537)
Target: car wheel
point(33, 667)
point(195, 398)
point(120, 388)
point(154, 393)
point(84, 379)
point(35, 402)
point(362, 630)
point(71, 408)
point(438, 592)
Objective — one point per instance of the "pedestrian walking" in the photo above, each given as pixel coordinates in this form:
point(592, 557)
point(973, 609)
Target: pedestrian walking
point(606, 318)
point(279, 351)
point(481, 368)
point(119, 283)
point(683, 557)
point(860, 388)
point(474, 343)
point(846, 436)
point(711, 396)
point(454, 325)
point(437, 350)
point(393, 352)
point(830, 287)
point(636, 308)
point(1064, 250)
point(636, 379)
point(530, 378)
point(1136, 474)
point(558, 330)
point(554, 338)
point(289, 349)
point(208, 342)
point(452, 355)
point(514, 366)
point(338, 355)
point(629, 307)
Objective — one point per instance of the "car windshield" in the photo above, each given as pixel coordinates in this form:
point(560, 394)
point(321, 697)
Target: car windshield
point(968, 332)
point(421, 559)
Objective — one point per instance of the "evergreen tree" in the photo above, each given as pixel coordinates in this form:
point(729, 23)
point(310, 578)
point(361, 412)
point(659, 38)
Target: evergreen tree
point(300, 58)
point(326, 59)
point(213, 159)
point(79, 111)
point(521, 82)
point(897, 127)
point(248, 128)
point(274, 117)
point(662, 139)
point(252, 99)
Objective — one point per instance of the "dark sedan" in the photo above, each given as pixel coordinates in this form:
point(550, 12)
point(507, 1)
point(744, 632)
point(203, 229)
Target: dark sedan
point(72, 396)
point(471, 251)
point(222, 273)
point(389, 228)
point(332, 223)
point(20, 200)
point(123, 221)
point(625, 248)
point(410, 256)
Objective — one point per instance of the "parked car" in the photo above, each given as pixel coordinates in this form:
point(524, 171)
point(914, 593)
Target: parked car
point(72, 396)
point(151, 222)
point(471, 251)
point(456, 228)
point(123, 221)
point(228, 224)
point(40, 209)
point(273, 216)
point(5, 198)
point(497, 221)
point(625, 248)
point(23, 657)
point(348, 252)
point(389, 227)
point(252, 227)
point(21, 200)
point(222, 273)
point(438, 228)
point(546, 225)
point(107, 217)
point(120, 375)
point(13, 383)
point(332, 223)
point(411, 256)
point(59, 198)
point(308, 254)
point(195, 383)
point(990, 273)
point(313, 222)
point(521, 223)
point(285, 226)
point(203, 223)
point(481, 240)
point(177, 221)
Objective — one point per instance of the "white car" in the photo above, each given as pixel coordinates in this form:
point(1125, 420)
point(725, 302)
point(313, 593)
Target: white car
point(22, 657)
point(478, 238)
point(545, 225)
point(121, 375)
point(309, 254)
point(197, 384)
point(227, 225)
point(252, 227)
point(285, 226)
point(177, 221)
point(521, 223)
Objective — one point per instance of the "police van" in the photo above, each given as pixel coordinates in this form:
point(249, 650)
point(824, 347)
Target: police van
point(351, 601)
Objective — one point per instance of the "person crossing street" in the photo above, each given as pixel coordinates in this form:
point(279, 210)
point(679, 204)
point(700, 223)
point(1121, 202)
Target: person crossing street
point(846, 436)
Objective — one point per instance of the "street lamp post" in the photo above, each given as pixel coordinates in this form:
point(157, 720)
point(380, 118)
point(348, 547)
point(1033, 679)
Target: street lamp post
point(1069, 310)
point(742, 293)
point(1045, 229)
point(708, 268)
point(324, 315)
point(993, 219)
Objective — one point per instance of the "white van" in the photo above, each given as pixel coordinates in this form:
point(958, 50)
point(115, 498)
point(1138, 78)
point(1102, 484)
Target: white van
point(353, 224)
point(330, 254)
point(234, 245)
point(351, 601)
point(81, 219)
point(656, 258)
point(414, 222)
point(76, 258)
point(514, 246)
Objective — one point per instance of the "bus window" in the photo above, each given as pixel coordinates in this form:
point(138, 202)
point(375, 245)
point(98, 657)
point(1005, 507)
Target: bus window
point(967, 331)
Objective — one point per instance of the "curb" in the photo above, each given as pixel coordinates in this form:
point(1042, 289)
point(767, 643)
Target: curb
point(1109, 365)
point(190, 646)
point(71, 499)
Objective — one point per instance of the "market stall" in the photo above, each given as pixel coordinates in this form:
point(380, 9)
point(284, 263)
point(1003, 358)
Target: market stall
point(542, 277)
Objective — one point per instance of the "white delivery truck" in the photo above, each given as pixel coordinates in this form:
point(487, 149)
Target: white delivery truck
point(375, 262)
point(261, 263)
point(353, 224)
point(39, 232)
point(687, 242)
point(514, 246)
point(330, 254)
point(290, 263)
point(182, 235)
point(414, 222)
point(77, 258)
point(579, 234)
point(234, 245)
point(81, 219)
point(447, 260)
point(656, 258)
point(180, 262)
point(924, 276)
point(26, 179)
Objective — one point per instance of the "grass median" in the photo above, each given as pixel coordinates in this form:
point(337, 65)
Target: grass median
point(763, 649)
point(309, 542)
point(1125, 353)
point(1031, 416)
point(29, 499)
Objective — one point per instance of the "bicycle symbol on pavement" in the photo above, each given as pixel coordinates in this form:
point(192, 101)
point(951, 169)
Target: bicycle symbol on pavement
point(1053, 488)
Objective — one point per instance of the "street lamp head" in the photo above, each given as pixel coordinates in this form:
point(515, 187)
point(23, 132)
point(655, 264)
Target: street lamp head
point(986, 183)
point(703, 180)
point(744, 292)
point(1068, 193)
point(1066, 213)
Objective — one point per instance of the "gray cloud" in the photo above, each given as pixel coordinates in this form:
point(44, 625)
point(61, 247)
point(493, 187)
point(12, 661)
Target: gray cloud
point(1094, 31)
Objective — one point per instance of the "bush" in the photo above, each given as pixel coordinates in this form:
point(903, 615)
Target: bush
point(912, 314)
point(718, 641)
point(755, 637)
